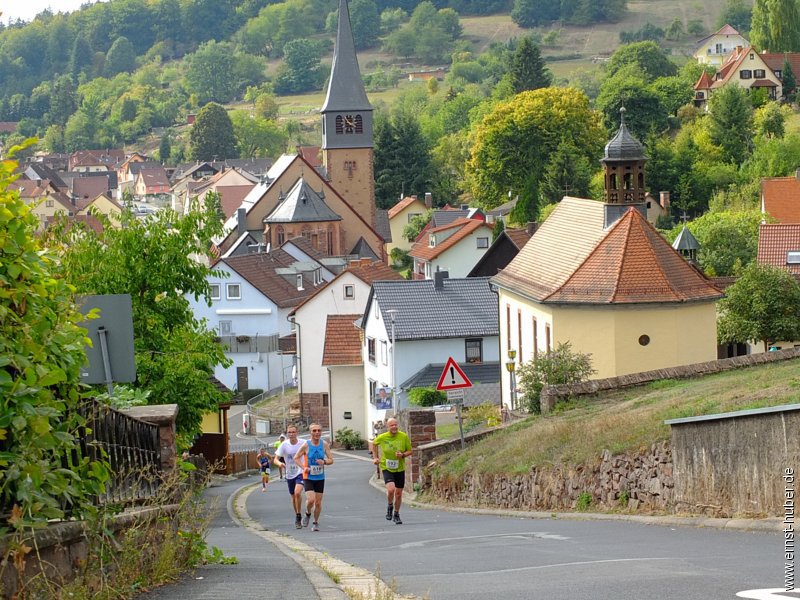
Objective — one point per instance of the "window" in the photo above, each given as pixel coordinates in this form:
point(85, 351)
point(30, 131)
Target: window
point(752, 56)
point(644, 340)
point(759, 73)
point(317, 277)
point(377, 311)
point(215, 291)
point(428, 272)
point(299, 279)
point(483, 242)
point(778, 73)
point(339, 124)
point(412, 215)
point(717, 48)
point(745, 74)
point(281, 235)
point(384, 352)
point(226, 327)
point(474, 350)
point(371, 350)
point(793, 257)
point(349, 292)
point(324, 400)
point(700, 95)
point(49, 203)
point(432, 241)
point(233, 291)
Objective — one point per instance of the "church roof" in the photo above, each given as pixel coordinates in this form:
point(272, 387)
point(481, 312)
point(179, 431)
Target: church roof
point(302, 205)
point(623, 146)
point(685, 241)
point(345, 87)
point(572, 259)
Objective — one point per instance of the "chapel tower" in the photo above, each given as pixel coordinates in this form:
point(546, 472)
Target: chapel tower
point(347, 126)
point(623, 167)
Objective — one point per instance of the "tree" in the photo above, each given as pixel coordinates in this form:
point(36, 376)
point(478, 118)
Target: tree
point(628, 88)
point(41, 344)
point(731, 122)
point(121, 57)
point(527, 69)
point(164, 148)
point(266, 106)
point(63, 100)
point(763, 305)
point(789, 80)
point(364, 19)
point(416, 225)
point(784, 26)
point(728, 240)
point(301, 70)
point(212, 135)
point(736, 14)
point(80, 59)
point(516, 139)
point(567, 173)
point(559, 366)
point(257, 137)
point(759, 30)
point(770, 120)
point(211, 72)
point(531, 13)
point(402, 159)
point(153, 261)
point(648, 57)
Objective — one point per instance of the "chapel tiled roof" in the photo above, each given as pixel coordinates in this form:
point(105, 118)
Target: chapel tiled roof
point(302, 204)
point(463, 307)
point(342, 341)
point(774, 241)
point(463, 228)
point(623, 146)
point(781, 198)
point(633, 264)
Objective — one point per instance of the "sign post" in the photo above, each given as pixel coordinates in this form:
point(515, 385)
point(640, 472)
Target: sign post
point(454, 381)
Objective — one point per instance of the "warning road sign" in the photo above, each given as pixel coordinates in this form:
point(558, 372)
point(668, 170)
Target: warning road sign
point(453, 377)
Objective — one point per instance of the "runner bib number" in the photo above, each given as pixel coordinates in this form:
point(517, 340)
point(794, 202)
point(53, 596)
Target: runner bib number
point(392, 464)
point(316, 470)
point(292, 471)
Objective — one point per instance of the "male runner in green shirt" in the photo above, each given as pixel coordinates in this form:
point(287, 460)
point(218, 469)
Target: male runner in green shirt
point(390, 449)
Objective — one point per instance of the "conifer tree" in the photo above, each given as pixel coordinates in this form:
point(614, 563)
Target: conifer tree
point(527, 70)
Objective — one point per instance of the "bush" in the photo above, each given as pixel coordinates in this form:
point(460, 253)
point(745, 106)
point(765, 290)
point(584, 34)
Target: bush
point(251, 393)
point(349, 439)
point(562, 365)
point(482, 414)
point(426, 396)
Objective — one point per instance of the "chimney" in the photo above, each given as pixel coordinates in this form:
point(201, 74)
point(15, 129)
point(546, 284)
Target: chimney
point(797, 174)
point(241, 221)
point(465, 207)
point(428, 200)
point(531, 227)
point(438, 279)
point(663, 199)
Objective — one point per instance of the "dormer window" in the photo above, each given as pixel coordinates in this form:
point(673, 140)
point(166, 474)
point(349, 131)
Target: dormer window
point(793, 257)
point(317, 277)
point(299, 282)
point(432, 241)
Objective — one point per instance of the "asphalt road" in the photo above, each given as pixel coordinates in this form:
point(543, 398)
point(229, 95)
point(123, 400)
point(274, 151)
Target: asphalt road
point(451, 555)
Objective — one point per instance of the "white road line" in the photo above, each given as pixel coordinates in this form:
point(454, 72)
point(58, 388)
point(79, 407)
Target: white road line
point(539, 567)
point(537, 534)
point(768, 594)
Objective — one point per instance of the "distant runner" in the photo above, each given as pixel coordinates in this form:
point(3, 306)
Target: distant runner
point(391, 449)
point(282, 464)
point(284, 457)
point(264, 459)
point(316, 453)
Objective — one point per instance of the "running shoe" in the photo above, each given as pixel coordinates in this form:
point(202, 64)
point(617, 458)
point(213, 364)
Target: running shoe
point(297, 523)
point(315, 526)
point(397, 520)
point(389, 513)
point(306, 519)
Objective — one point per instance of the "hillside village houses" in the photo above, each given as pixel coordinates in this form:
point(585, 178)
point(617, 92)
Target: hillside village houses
point(714, 49)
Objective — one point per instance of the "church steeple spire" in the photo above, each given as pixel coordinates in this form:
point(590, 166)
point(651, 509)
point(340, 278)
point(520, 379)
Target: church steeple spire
point(345, 89)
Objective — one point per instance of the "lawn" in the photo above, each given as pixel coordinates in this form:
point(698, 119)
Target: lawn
point(626, 421)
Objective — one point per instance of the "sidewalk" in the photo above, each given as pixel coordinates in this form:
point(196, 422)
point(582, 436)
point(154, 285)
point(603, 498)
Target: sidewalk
point(265, 570)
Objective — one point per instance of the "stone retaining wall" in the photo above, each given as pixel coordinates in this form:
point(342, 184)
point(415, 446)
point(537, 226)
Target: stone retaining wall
point(637, 481)
point(551, 394)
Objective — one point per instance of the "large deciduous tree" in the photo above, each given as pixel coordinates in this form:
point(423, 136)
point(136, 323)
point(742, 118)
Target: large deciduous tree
point(763, 305)
point(211, 72)
point(257, 137)
point(776, 25)
point(728, 240)
point(212, 134)
point(301, 70)
point(648, 57)
point(121, 57)
point(517, 138)
point(154, 261)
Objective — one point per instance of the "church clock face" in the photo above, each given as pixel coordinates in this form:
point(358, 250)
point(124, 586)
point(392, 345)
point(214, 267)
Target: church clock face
point(349, 124)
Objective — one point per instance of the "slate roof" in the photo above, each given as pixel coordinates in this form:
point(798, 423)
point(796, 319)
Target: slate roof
point(780, 198)
point(302, 205)
point(43, 171)
point(362, 249)
point(623, 146)
point(342, 341)
point(345, 86)
point(573, 259)
point(135, 167)
point(484, 372)
point(463, 307)
point(382, 224)
point(774, 241)
point(261, 271)
point(685, 241)
point(503, 209)
point(462, 228)
point(447, 215)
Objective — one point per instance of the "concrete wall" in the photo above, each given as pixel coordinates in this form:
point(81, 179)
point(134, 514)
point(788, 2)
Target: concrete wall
point(347, 396)
point(734, 463)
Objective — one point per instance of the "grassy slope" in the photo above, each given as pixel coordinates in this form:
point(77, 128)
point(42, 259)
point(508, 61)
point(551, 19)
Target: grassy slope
point(626, 420)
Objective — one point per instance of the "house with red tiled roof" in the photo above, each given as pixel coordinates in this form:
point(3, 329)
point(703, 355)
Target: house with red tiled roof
point(455, 247)
point(400, 215)
point(715, 48)
point(779, 246)
point(45, 201)
point(331, 376)
point(599, 276)
point(232, 185)
point(151, 183)
point(744, 67)
point(780, 198)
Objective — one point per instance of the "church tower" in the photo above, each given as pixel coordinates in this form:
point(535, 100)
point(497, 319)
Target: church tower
point(347, 126)
point(623, 166)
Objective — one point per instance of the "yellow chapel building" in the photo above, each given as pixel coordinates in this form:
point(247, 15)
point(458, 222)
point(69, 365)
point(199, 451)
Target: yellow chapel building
point(599, 276)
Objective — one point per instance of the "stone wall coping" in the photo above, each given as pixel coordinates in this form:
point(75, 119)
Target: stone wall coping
point(732, 415)
point(159, 414)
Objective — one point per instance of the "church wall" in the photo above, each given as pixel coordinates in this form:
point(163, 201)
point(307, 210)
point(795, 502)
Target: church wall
point(350, 171)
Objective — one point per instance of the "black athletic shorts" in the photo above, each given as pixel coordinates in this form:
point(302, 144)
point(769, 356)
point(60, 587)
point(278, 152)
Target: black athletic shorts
point(398, 478)
point(314, 485)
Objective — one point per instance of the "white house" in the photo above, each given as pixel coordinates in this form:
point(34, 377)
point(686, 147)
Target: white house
point(455, 248)
point(425, 322)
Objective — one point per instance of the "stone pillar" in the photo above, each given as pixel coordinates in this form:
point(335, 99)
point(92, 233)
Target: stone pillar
point(163, 415)
point(420, 425)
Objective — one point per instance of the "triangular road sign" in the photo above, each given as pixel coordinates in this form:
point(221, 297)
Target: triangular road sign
point(453, 378)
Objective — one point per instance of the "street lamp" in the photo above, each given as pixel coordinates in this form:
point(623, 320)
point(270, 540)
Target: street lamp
point(511, 366)
point(392, 312)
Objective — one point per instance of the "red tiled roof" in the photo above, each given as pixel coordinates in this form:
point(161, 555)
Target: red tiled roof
point(781, 198)
point(518, 236)
point(8, 126)
point(465, 226)
point(763, 83)
point(407, 201)
point(231, 197)
point(342, 341)
point(704, 82)
point(310, 154)
point(774, 241)
point(727, 30)
point(774, 60)
point(154, 177)
point(634, 264)
point(260, 271)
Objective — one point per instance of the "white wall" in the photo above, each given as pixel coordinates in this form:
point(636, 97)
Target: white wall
point(461, 258)
point(347, 395)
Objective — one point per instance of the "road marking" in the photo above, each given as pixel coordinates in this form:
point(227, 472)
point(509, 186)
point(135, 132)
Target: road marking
point(526, 535)
point(767, 594)
point(539, 567)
